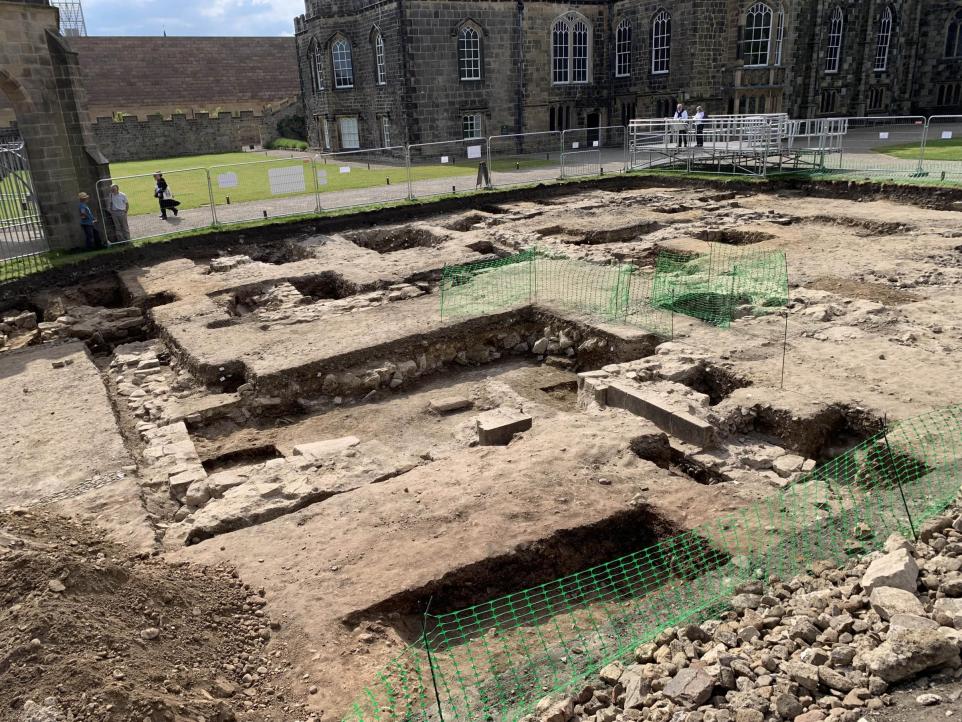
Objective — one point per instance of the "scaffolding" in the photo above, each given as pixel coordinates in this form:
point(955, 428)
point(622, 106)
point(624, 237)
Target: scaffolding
point(72, 23)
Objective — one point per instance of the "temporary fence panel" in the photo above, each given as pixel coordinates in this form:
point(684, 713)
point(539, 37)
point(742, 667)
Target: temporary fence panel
point(524, 158)
point(362, 177)
point(22, 238)
point(263, 189)
point(942, 159)
point(189, 188)
point(446, 167)
point(593, 151)
point(880, 147)
point(496, 659)
point(474, 289)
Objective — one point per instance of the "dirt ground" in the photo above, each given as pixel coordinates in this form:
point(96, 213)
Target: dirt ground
point(194, 446)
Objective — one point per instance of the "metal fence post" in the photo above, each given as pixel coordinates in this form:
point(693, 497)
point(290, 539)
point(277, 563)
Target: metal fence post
point(624, 168)
point(561, 157)
point(925, 140)
point(210, 195)
point(407, 164)
point(317, 186)
point(490, 167)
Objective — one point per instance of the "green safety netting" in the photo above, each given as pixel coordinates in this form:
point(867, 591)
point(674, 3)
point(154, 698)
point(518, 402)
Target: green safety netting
point(495, 660)
point(715, 287)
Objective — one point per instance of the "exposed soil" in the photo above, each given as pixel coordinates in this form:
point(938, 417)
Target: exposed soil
point(115, 636)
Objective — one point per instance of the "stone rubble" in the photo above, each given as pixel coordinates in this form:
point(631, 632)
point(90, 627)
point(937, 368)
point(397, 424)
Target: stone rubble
point(820, 646)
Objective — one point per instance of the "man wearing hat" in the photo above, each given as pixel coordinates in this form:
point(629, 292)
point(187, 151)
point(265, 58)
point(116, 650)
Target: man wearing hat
point(87, 221)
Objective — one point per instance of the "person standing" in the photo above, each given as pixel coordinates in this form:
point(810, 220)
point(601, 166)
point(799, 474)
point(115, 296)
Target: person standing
point(681, 120)
point(87, 223)
point(118, 211)
point(164, 197)
point(700, 126)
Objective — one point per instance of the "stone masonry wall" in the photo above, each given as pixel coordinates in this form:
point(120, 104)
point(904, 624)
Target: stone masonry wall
point(159, 137)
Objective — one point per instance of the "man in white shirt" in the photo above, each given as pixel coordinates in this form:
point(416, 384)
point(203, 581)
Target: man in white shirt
point(681, 122)
point(700, 126)
point(118, 211)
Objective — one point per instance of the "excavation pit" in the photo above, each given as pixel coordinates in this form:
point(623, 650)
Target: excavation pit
point(399, 238)
point(733, 236)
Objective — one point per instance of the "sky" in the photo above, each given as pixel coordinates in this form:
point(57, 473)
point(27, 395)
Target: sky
point(191, 17)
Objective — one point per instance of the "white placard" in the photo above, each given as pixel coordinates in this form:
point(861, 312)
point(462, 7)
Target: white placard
point(322, 177)
point(474, 151)
point(227, 180)
point(883, 136)
point(344, 169)
point(286, 180)
point(946, 135)
point(575, 144)
point(444, 159)
point(594, 144)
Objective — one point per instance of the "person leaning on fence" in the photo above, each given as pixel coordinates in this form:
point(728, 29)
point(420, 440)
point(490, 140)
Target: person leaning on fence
point(700, 126)
point(118, 212)
point(164, 197)
point(87, 223)
point(681, 123)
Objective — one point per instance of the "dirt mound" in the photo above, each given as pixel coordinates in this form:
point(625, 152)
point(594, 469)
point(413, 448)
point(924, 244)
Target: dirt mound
point(88, 631)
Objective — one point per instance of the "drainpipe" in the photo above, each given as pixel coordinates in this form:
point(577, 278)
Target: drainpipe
point(403, 50)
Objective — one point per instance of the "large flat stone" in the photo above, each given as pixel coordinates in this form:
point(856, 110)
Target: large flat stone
point(653, 407)
point(889, 601)
point(326, 448)
point(498, 426)
point(906, 652)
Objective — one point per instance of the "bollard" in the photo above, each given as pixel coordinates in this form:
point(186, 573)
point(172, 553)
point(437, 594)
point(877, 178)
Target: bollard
point(265, 213)
point(228, 200)
point(388, 180)
point(517, 165)
point(453, 189)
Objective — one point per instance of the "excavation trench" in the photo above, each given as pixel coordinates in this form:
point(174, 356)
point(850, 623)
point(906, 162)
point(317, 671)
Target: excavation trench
point(390, 240)
point(545, 562)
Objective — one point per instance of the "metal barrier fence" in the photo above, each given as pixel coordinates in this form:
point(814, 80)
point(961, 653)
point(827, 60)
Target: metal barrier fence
point(22, 238)
point(362, 177)
point(450, 166)
point(942, 150)
point(271, 188)
point(524, 158)
point(496, 659)
point(593, 151)
point(911, 147)
point(880, 146)
point(145, 218)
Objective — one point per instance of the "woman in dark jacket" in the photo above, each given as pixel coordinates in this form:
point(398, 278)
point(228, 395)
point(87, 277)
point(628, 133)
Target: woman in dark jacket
point(164, 197)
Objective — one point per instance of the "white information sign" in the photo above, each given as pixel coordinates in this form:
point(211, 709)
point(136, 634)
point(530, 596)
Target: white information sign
point(883, 135)
point(946, 135)
point(286, 180)
point(344, 169)
point(575, 144)
point(322, 177)
point(227, 180)
point(444, 159)
point(594, 144)
point(474, 151)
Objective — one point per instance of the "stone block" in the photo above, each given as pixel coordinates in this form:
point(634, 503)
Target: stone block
point(326, 448)
point(498, 426)
point(896, 569)
point(679, 424)
point(450, 404)
point(889, 601)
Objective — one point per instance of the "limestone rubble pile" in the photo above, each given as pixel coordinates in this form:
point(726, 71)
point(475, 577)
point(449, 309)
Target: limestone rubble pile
point(827, 645)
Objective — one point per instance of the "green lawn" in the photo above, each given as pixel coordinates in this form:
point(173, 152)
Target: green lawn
point(190, 186)
point(934, 150)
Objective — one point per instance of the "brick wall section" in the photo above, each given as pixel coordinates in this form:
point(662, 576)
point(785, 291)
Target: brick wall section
point(159, 137)
point(125, 74)
point(425, 99)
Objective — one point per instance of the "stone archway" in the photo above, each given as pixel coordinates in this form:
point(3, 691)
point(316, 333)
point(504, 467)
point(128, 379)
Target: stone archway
point(40, 78)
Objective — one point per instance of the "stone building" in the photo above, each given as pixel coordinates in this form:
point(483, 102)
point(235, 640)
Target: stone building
point(397, 71)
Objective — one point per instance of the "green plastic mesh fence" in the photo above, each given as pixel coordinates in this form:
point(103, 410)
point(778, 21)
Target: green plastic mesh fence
point(721, 285)
point(495, 660)
point(713, 287)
